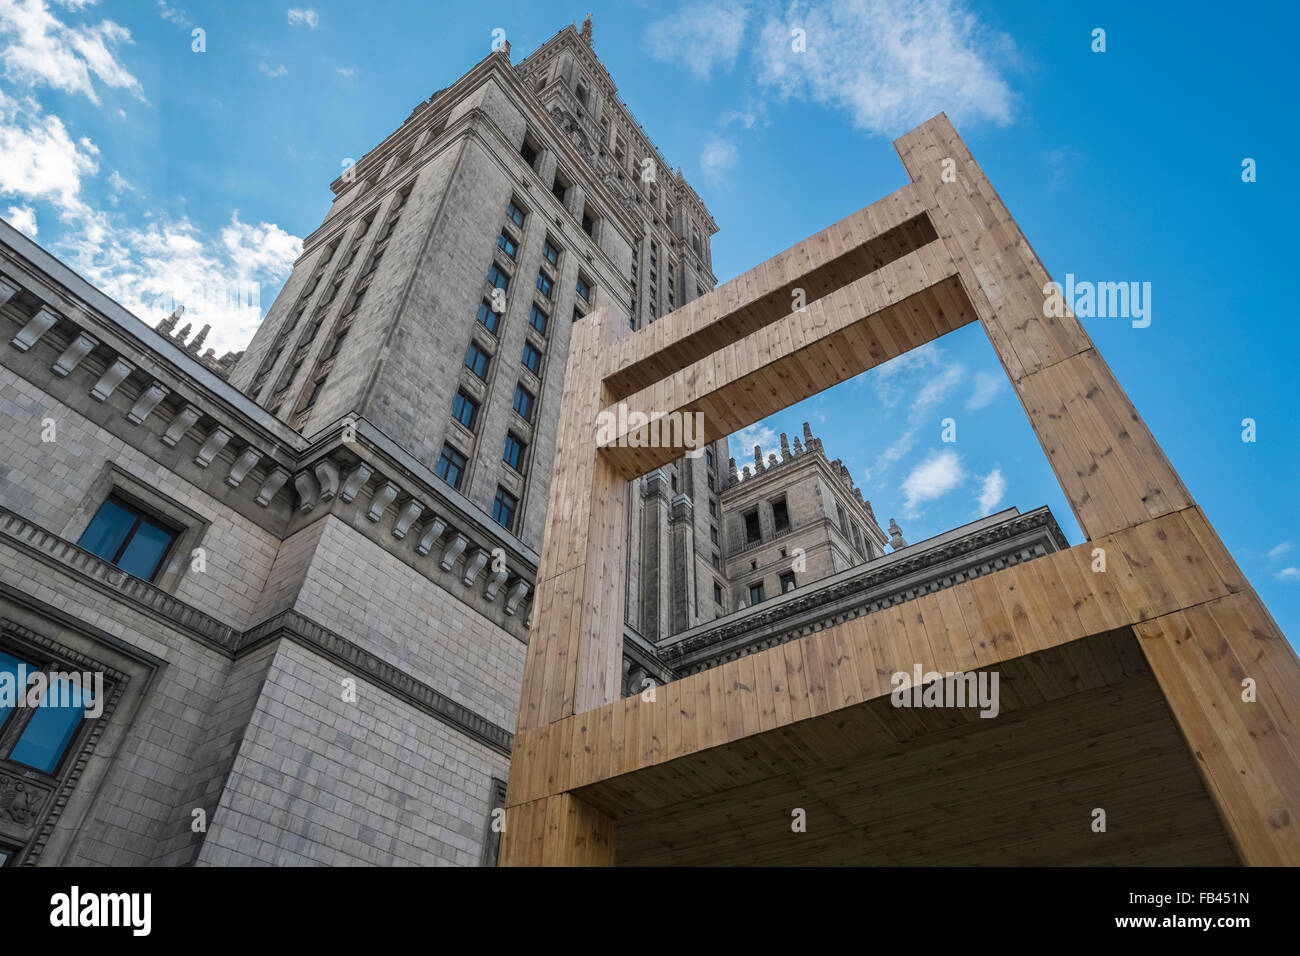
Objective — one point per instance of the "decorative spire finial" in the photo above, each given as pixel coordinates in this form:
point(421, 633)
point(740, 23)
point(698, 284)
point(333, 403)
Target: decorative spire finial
point(586, 30)
point(896, 541)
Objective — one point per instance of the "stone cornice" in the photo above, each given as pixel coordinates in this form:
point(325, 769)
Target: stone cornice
point(49, 549)
point(273, 482)
point(796, 613)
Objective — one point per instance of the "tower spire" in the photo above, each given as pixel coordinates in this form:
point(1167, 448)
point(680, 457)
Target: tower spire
point(586, 30)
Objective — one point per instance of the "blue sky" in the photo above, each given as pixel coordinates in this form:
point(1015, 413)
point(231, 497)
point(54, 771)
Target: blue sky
point(162, 173)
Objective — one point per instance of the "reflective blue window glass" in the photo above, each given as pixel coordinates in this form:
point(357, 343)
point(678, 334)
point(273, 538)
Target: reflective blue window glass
point(144, 552)
point(108, 530)
point(51, 728)
point(9, 678)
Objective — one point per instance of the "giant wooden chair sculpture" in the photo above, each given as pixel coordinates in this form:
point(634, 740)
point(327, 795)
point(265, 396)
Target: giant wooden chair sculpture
point(713, 769)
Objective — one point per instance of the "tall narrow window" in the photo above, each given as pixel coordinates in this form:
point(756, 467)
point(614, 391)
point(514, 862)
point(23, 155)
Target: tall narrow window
point(584, 289)
point(537, 319)
point(780, 515)
point(515, 213)
point(756, 593)
point(451, 466)
point(788, 582)
point(523, 403)
point(476, 360)
point(503, 508)
point(507, 244)
point(50, 726)
point(126, 536)
point(465, 410)
point(498, 278)
point(489, 319)
point(532, 359)
point(544, 284)
point(514, 452)
point(752, 529)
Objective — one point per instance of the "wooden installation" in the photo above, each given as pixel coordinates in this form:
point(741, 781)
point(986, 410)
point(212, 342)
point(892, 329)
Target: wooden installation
point(1140, 674)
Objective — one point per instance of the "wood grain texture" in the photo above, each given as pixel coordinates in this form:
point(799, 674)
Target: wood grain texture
point(939, 253)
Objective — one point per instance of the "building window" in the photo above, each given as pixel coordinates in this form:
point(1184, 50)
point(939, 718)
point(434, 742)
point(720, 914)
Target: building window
point(528, 152)
point(717, 594)
point(503, 508)
point(465, 410)
point(489, 319)
point(537, 319)
point(582, 94)
point(788, 582)
point(544, 284)
point(588, 224)
point(128, 537)
point(523, 403)
point(756, 593)
point(559, 189)
point(532, 359)
point(451, 466)
point(844, 521)
point(498, 278)
point(780, 515)
point(515, 213)
point(708, 457)
point(717, 561)
point(713, 508)
point(507, 245)
point(752, 529)
point(710, 481)
point(577, 313)
point(476, 360)
point(584, 289)
point(713, 534)
point(48, 729)
point(514, 453)
point(551, 253)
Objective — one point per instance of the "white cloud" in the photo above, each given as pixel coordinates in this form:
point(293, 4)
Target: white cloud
point(933, 478)
point(718, 157)
point(346, 70)
point(227, 281)
point(1278, 550)
point(36, 48)
point(741, 443)
point(700, 35)
point(23, 218)
point(39, 160)
point(307, 18)
point(890, 64)
point(902, 376)
point(280, 70)
point(1288, 574)
point(987, 387)
point(173, 14)
point(992, 488)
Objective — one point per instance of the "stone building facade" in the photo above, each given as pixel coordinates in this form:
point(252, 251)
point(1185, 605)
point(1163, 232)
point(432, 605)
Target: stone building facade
point(303, 574)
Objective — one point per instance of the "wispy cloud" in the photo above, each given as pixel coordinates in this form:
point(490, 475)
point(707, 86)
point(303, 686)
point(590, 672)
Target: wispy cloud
point(1278, 550)
point(993, 487)
point(922, 374)
point(987, 387)
point(275, 71)
point(1288, 574)
point(741, 443)
point(46, 168)
point(889, 64)
point(933, 478)
point(23, 218)
point(700, 36)
point(348, 71)
point(719, 157)
point(38, 49)
point(174, 14)
point(304, 18)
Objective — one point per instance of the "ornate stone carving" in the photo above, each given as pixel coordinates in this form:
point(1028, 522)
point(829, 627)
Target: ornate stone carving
point(20, 800)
